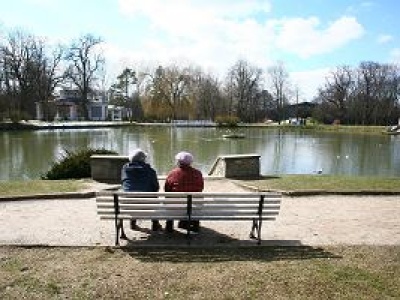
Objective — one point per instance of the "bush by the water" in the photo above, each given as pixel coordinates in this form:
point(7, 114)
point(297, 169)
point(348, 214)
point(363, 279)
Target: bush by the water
point(227, 121)
point(74, 165)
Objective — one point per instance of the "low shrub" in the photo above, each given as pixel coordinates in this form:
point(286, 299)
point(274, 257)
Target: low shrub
point(227, 121)
point(74, 165)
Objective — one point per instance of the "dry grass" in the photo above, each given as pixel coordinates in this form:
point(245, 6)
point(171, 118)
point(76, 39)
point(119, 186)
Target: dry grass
point(290, 183)
point(363, 272)
point(346, 129)
point(329, 183)
point(32, 187)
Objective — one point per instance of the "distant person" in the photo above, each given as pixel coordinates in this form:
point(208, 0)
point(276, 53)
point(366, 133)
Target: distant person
point(138, 176)
point(184, 178)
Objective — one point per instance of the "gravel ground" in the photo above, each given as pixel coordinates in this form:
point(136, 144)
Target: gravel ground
point(311, 220)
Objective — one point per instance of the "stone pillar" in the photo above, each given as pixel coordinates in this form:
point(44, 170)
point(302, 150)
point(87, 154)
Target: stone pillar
point(107, 168)
point(237, 166)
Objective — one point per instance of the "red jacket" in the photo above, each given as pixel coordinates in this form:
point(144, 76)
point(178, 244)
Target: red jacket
point(184, 179)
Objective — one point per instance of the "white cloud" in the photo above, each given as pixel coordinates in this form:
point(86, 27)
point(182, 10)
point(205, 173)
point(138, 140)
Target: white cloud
point(213, 33)
point(199, 21)
point(303, 37)
point(385, 38)
point(309, 82)
point(229, 27)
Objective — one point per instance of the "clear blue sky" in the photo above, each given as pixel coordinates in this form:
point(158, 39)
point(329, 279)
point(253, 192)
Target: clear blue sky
point(311, 37)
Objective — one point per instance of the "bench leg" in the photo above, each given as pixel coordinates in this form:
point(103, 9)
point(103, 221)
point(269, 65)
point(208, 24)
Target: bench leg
point(121, 226)
point(256, 227)
point(259, 232)
point(117, 226)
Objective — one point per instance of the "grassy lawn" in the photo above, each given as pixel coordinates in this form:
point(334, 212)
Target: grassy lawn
point(288, 183)
point(30, 187)
point(354, 129)
point(347, 129)
point(329, 183)
point(363, 272)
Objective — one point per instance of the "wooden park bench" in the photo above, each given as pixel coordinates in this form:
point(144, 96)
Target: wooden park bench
point(205, 206)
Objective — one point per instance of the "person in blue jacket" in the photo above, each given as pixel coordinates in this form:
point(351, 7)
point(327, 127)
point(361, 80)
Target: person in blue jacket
point(138, 176)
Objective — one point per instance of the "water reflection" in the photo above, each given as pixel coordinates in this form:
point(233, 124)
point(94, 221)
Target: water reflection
point(25, 155)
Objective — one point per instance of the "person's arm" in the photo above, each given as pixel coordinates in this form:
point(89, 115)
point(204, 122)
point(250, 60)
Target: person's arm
point(123, 173)
point(156, 185)
point(124, 178)
point(167, 186)
point(201, 182)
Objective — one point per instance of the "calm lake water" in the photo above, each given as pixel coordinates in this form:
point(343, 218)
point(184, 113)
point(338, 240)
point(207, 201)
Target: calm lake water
point(27, 155)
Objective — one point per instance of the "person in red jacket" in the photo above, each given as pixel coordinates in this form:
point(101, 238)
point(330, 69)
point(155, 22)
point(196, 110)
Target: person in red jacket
point(184, 178)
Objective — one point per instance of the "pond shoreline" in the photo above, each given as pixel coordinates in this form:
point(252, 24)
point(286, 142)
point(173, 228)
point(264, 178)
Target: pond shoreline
point(10, 126)
point(41, 125)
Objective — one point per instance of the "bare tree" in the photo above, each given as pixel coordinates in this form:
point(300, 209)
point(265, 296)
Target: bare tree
point(206, 95)
point(366, 95)
point(30, 73)
point(279, 81)
point(338, 92)
point(17, 57)
point(85, 62)
point(243, 90)
point(47, 77)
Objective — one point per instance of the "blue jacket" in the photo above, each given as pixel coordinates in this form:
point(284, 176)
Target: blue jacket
point(139, 177)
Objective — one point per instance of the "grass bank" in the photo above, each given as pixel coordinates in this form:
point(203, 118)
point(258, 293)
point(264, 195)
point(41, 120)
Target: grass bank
point(32, 187)
point(354, 129)
point(287, 183)
point(364, 272)
point(328, 183)
point(348, 128)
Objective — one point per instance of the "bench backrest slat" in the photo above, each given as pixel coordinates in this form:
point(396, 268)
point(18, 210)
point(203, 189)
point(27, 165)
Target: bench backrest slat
point(194, 194)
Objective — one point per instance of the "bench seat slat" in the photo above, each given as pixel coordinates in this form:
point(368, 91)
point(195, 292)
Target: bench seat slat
point(175, 201)
point(148, 215)
point(144, 199)
point(234, 201)
point(232, 213)
point(182, 213)
point(231, 218)
point(238, 206)
point(195, 195)
point(149, 204)
point(195, 209)
point(134, 201)
point(144, 211)
point(205, 218)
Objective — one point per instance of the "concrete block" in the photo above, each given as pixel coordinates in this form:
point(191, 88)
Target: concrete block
point(107, 168)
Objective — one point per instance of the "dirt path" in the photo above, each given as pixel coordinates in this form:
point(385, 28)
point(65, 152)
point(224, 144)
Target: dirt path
point(314, 221)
